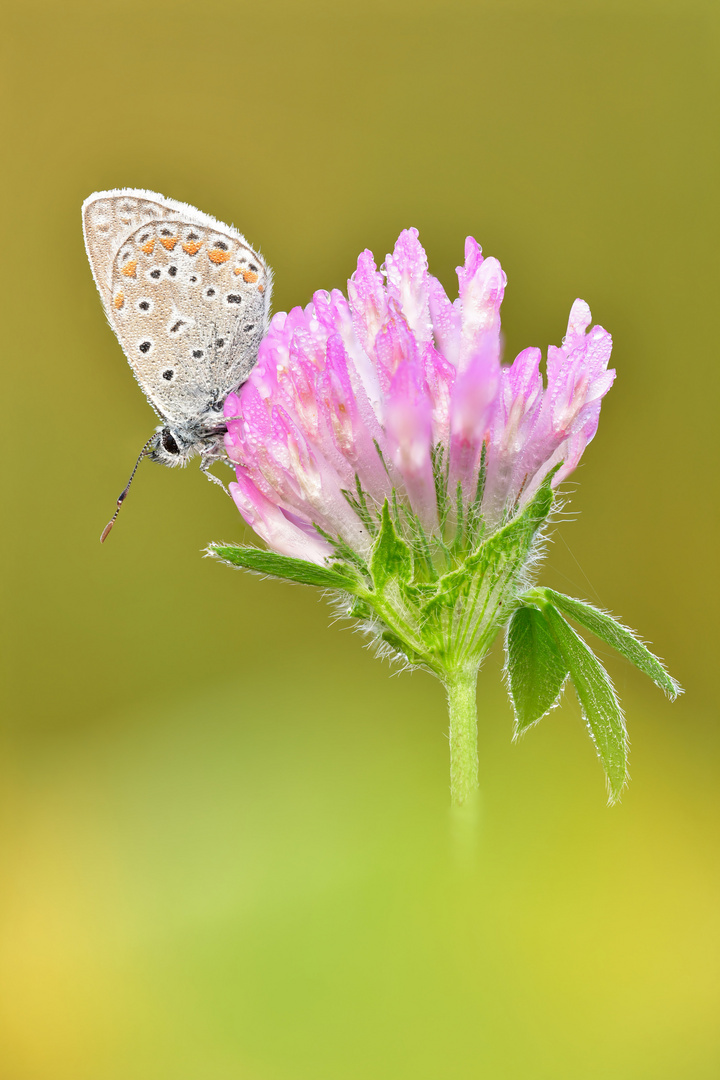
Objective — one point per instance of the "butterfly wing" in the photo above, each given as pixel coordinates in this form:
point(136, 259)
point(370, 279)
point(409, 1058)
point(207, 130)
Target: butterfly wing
point(186, 295)
point(109, 217)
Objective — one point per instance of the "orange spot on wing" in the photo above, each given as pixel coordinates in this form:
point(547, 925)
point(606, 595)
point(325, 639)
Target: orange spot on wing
point(217, 256)
point(148, 248)
point(261, 288)
point(237, 270)
point(130, 269)
point(250, 277)
point(192, 247)
point(119, 301)
point(168, 242)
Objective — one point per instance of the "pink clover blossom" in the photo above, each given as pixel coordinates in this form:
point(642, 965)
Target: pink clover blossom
point(381, 390)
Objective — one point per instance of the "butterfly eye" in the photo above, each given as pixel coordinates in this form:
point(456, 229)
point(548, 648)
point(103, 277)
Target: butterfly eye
point(168, 442)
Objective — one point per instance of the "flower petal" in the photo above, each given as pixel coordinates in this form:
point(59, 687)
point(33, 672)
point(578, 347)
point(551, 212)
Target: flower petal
point(274, 527)
point(408, 283)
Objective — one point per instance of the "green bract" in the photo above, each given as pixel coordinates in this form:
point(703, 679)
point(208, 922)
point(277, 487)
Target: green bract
point(439, 604)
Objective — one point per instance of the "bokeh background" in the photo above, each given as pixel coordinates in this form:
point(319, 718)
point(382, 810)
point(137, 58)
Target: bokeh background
point(225, 849)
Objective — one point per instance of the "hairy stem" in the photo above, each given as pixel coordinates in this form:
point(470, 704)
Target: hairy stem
point(461, 688)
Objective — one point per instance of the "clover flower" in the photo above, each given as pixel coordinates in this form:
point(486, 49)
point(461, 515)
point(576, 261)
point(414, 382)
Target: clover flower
point(384, 450)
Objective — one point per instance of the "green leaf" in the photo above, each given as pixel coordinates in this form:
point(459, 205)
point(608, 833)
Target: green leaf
point(282, 566)
point(401, 647)
point(419, 593)
point(391, 557)
point(343, 551)
point(475, 524)
point(499, 560)
point(359, 609)
point(613, 633)
point(597, 700)
point(516, 537)
point(448, 590)
point(440, 477)
point(536, 669)
point(360, 506)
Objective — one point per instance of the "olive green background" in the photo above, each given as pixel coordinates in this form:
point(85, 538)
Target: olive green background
point(225, 841)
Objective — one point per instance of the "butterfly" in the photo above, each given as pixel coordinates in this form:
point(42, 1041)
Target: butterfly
point(189, 301)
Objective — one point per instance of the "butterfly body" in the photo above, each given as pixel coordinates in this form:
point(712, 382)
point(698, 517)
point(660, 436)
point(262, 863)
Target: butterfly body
point(189, 301)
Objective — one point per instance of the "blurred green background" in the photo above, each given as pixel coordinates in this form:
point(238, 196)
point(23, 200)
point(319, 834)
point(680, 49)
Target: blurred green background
point(225, 841)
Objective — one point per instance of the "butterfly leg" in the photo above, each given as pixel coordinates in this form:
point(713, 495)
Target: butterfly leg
point(205, 464)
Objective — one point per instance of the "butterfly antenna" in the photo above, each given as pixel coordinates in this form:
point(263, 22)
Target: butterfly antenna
point(123, 493)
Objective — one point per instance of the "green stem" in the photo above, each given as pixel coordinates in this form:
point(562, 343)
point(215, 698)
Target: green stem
point(461, 688)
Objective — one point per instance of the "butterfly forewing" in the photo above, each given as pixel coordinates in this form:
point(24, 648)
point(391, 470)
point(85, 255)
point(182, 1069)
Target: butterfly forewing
point(108, 219)
point(186, 295)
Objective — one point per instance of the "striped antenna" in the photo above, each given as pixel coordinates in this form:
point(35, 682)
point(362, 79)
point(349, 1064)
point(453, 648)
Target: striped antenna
point(123, 494)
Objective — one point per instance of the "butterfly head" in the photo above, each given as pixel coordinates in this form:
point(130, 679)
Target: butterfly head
point(176, 444)
point(169, 447)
